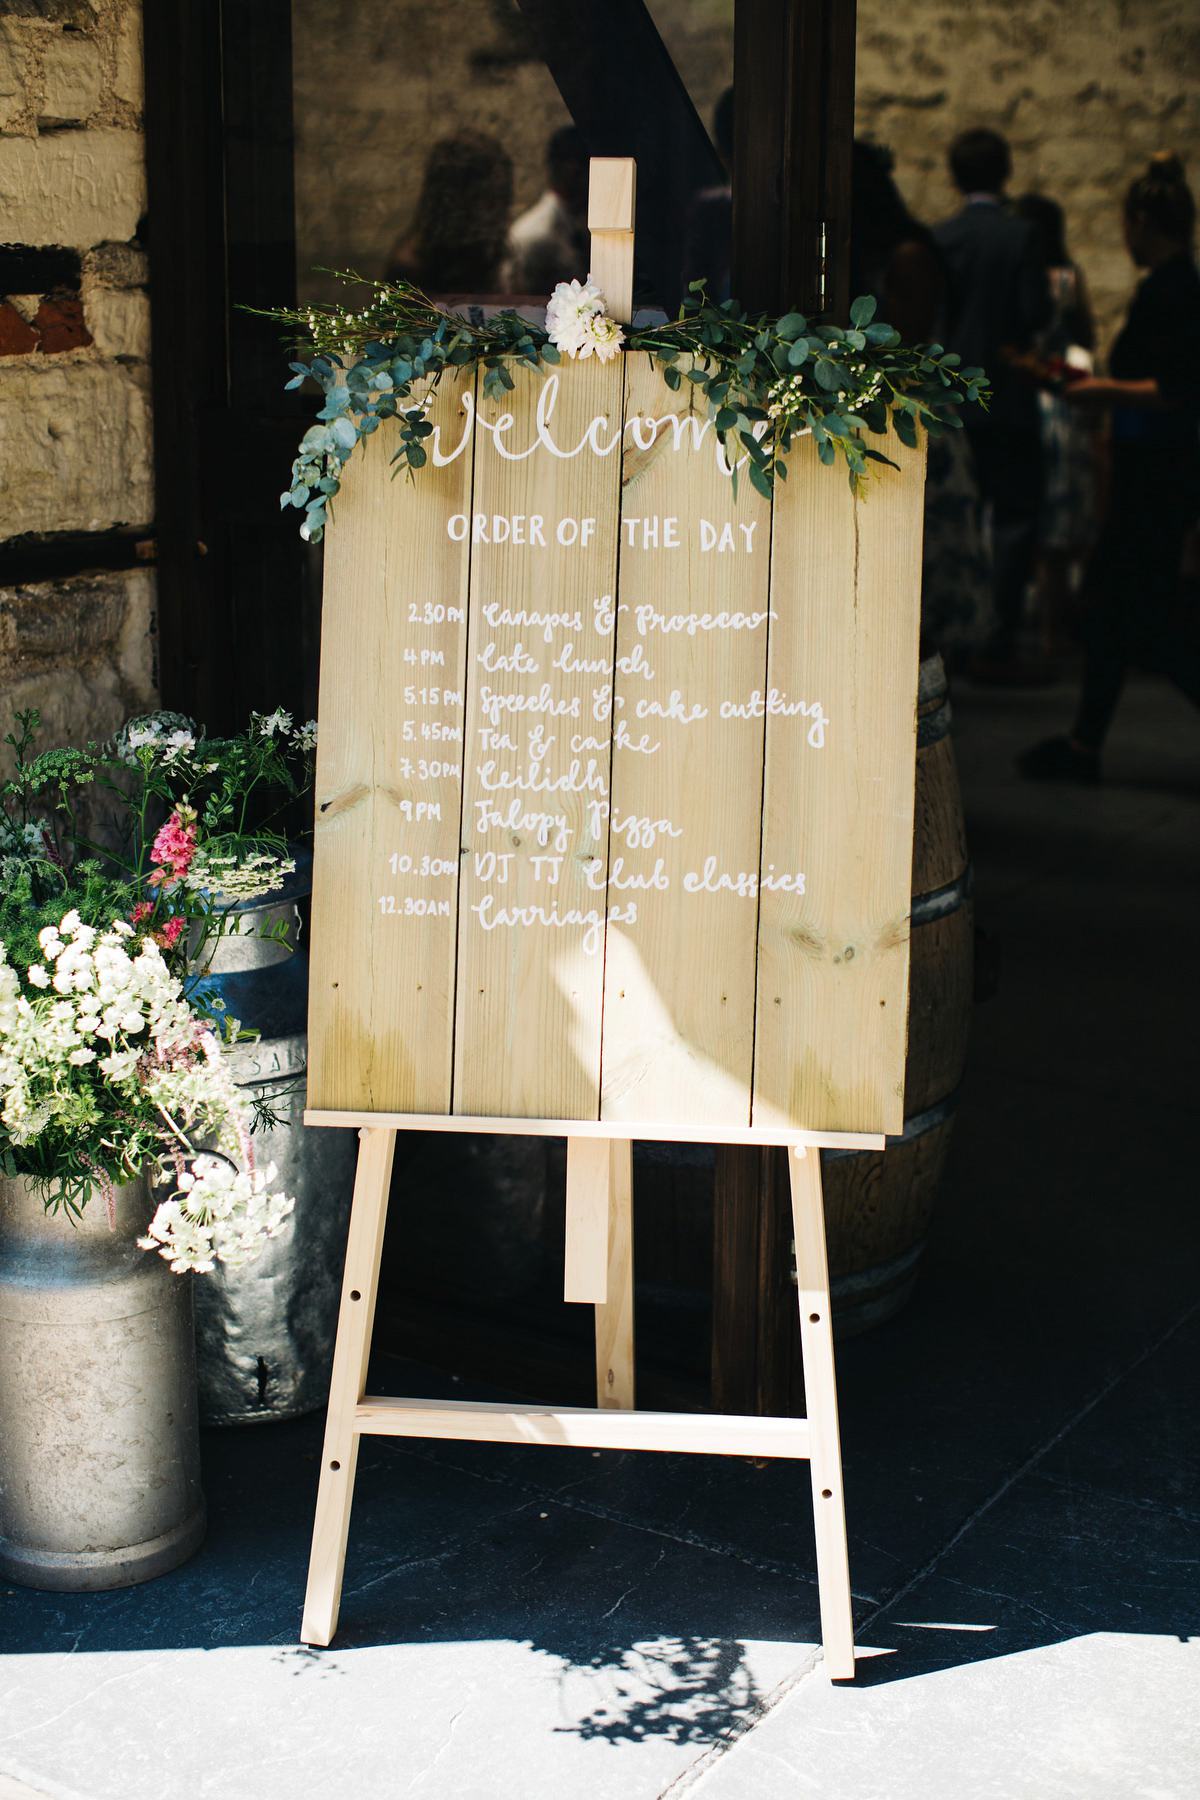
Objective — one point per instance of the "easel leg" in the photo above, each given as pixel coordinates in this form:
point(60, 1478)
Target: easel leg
point(820, 1387)
point(355, 1320)
point(614, 1319)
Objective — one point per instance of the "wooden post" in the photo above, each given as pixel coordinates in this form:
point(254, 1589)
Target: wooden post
point(820, 1387)
point(614, 1318)
point(793, 144)
point(598, 1266)
point(793, 132)
point(612, 187)
point(589, 1181)
point(339, 1457)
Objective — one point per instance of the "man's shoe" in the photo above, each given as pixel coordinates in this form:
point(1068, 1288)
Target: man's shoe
point(1058, 759)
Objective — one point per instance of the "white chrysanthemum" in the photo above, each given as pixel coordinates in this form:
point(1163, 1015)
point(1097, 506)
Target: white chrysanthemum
point(603, 338)
point(573, 304)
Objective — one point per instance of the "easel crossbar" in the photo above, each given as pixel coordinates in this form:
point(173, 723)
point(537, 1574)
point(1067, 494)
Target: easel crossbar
point(583, 1427)
point(783, 1136)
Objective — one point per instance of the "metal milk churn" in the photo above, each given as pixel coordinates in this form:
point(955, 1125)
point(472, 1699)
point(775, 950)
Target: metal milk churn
point(265, 1333)
point(99, 1452)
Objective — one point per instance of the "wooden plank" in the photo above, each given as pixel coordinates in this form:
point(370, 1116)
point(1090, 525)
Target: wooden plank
point(612, 191)
point(339, 1456)
point(536, 778)
point(585, 1271)
point(704, 1434)
point(388, 786)
point(615, 1386)
point(646, 1130)
point(820, 1389)
point(687, 769)
point(838, 798)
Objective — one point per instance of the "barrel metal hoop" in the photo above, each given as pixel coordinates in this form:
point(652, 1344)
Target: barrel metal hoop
point(931, 680)
point(940, 902)
point(934, 726)
point(841, 1286)
point(914, 1127)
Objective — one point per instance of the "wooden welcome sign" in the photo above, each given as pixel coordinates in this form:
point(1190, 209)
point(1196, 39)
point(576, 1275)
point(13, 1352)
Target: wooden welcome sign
point(614, 840)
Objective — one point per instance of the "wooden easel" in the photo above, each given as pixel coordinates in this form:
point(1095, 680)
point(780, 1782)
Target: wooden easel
point(599, 1270)
point(599, 1236)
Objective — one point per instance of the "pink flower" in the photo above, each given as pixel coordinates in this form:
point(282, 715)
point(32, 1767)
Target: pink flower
point(169, 935)
point(141, 912)
point(175, 844)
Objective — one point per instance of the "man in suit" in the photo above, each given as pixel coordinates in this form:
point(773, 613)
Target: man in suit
point(997, 298)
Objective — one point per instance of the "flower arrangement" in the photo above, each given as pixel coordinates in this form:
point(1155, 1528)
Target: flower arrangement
point(576, 321)
point(765, 381)
point(111, 1043)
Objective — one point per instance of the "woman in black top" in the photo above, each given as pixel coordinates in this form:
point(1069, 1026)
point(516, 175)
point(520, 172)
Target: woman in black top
point(1153, 392)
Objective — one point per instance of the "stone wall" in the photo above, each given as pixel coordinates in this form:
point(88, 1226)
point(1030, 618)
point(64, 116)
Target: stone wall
point(75, 428)
point(1084, 90)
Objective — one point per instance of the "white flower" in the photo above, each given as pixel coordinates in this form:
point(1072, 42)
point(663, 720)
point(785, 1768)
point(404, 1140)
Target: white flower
point(573, 304)
point(603, 336)
point(81, 1056)
point(177, 744)
point(49, 939)
point(70, 923)
point(220, 1212)
point(273, 722)
point(39, 976)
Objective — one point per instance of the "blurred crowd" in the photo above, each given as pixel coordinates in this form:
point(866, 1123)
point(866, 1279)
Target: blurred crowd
point(1063, 518)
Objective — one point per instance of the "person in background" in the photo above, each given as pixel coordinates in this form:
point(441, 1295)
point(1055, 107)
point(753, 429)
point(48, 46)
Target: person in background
point(1068, 502)
point(456, 241)
point(997, 299)
point(1152, 392)
point(709, 231)
point(893, 257)
point(549, 242)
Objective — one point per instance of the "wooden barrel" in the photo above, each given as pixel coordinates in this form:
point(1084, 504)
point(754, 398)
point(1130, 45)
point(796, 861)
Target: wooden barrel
point(878, 1203)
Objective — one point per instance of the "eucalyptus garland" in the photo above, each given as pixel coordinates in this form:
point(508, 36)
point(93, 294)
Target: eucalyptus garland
point(765, 381)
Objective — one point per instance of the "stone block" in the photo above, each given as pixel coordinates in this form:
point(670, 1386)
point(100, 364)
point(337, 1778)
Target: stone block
point(80, 650)
point(12, 73)
point(75, 447)
point(119, 321)
point(129, 83)
point(50, 624)
point(117, 266)
point(72, 187)
point(72, 80)
point(75, 708)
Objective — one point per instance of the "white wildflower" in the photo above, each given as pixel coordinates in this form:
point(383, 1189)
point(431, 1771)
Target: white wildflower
point(269, 724)
point(39, 977)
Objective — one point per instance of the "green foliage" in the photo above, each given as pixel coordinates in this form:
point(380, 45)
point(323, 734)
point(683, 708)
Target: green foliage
point(765, 381)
